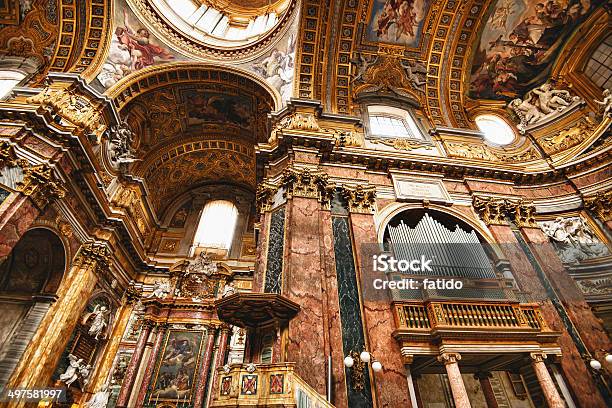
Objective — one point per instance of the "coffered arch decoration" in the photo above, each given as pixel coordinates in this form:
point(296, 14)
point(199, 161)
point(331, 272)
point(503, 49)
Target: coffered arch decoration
point(60, 36)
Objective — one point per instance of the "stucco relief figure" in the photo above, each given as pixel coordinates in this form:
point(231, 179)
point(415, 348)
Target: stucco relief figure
point(202, 265)
point(361, 64)
point(541, 102)
point(228, 290)
point(160, 290)
point(573, 239)
point(99, 399)
point(120, 140)
point(606, 104)
point(76, 368)
point(98, 320)
point(417, 74)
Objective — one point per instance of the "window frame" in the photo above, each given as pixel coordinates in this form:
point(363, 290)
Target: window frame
point(200, 243)
point(414, 130)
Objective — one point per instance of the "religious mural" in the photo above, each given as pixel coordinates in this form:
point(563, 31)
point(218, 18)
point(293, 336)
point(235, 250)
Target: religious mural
point(176, 369)
point(397, 21)
point(278, 67)
point(205, 107)
point(519, 44)
point(132, 48)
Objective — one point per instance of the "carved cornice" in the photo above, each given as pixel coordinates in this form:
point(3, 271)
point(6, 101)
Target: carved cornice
point(304, 182)
point(40, 185)
point(93, 255)
point(360, 200)
point(601, 205)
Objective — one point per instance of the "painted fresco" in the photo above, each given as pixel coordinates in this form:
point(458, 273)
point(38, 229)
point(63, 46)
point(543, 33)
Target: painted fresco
point(519, 44)
point(176, 371)
point(206, 107)
point(278, 67)
point(132, 48)
point(397, 21)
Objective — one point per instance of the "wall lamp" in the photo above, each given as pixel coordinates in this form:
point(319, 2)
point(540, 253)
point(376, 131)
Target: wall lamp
point(356, 362)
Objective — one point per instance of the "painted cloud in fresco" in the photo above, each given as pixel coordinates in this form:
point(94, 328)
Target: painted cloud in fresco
point(132, 48)
point(520, 42)
point(397, 21)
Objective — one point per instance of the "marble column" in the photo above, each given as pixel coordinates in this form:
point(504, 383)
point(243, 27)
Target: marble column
point(132, 369)
point(59, 322)
point(460, 395)
point(146, 379)
point(219, 361)
point(546, 382)
point(487, 389)
point(411, 389)
point(200, 390)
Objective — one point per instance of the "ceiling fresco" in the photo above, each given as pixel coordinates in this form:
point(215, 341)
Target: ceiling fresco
point(520, 43)
point(397, 21)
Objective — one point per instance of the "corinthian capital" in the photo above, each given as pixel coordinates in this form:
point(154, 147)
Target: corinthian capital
point(601, 205)
point(491, 210)
point(304, 182)
point(361, 200)
point(524, 213)
point(93, 254)
point(40, 185)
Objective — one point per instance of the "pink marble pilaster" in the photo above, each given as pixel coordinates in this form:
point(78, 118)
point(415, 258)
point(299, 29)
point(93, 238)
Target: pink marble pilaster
point(150, 366)
point(458, 390)
point(132, 370)
point(17, 216)
point(204, 369)
point(219, 361)
point(546, 382)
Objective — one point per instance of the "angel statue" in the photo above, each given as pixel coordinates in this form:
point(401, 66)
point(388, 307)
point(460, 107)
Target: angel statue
point(416, 72)
point(551, 100)
point(527, 113)
point(160, 290)
point(99, 399)
point(606, 104)
point(99, 320)
point(72, 372)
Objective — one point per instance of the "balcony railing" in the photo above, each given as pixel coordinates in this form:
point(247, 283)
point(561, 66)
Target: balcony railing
point(459, 315)
point(269, 385)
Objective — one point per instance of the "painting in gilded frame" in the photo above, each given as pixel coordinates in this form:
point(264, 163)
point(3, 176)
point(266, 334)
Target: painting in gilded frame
point(397, 22)
point(177, 364)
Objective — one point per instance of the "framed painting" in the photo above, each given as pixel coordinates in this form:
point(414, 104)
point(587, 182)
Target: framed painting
point(398, 22)
point(176, 370)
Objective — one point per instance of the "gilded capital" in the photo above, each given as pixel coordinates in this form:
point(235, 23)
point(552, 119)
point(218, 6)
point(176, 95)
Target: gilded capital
point(524, 214)
point(264, 196)
point(93, 254)
point(7, 155)
point(601, 205)
point(361, 200)
point(304, 182)
point(40, 185)
point(538, 357)
point(492, 211)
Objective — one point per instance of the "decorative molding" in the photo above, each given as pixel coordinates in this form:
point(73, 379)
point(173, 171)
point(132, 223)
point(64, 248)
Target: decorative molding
point(40, 185)
point(492, 211)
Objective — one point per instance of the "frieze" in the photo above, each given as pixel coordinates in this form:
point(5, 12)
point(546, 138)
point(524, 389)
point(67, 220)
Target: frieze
point(568, 137)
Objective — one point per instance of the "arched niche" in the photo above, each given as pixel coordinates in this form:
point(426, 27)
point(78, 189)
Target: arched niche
point(29, 279)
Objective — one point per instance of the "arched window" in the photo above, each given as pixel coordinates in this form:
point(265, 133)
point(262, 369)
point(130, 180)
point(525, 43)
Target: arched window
point(599, 67)
point(495, 129)
point(387, 121)
point(217, 225)
point(8, 80)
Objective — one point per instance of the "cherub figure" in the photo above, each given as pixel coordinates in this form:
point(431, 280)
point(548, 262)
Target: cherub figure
point(72, 372)
point(606, 104)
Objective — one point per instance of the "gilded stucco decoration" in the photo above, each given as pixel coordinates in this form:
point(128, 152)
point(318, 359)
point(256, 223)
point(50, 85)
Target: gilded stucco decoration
point(568, 137)
point(483, 152)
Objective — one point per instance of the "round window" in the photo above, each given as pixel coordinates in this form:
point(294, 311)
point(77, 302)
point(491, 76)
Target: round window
point(495, 129)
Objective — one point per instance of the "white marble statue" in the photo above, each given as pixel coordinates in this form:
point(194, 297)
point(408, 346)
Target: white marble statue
point(573, 239)
point(72, 372)
point(99, 399)
point(202, 265)
point(606, 104)
point(160, 290)
point(228, 289)
point(528, 113)
point(99, 321)
point(540, 103)
point(550, 100)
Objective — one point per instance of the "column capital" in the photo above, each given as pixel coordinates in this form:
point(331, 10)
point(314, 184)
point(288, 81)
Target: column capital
point(601, 205)
point(538, 357)
point(491, 210)
point(132, 294)
point(8, 157)
point(264, 196)
point(449, 358)
point(96, 254)
point(524, 213)
point(360, 199)
point(40, 185)
point(304, 182)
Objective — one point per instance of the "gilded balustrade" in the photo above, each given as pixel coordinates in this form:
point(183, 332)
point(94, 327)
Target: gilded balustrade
point(468, 315)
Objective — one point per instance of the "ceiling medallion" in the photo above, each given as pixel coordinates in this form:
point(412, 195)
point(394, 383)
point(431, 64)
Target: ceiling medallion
point(192, 39)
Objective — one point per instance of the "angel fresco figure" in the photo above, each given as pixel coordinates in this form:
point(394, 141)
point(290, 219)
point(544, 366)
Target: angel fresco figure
point(398, 20)
point(278, 68)
point(99, 320)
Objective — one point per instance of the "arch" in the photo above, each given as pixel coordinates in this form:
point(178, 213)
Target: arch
point(382, 218)
point(155, 77)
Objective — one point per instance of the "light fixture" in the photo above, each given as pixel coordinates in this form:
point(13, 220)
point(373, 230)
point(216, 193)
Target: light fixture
point(357, 363)
point(609, 358)
point(595, 365)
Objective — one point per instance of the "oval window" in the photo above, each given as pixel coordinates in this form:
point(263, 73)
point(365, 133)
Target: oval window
point(495, 129)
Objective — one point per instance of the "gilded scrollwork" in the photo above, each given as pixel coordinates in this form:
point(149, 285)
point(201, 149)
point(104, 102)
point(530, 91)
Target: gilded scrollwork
point(304, 182)
point(568, 137)
point(601, 205)
point(491, 210)
point(482, 152)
